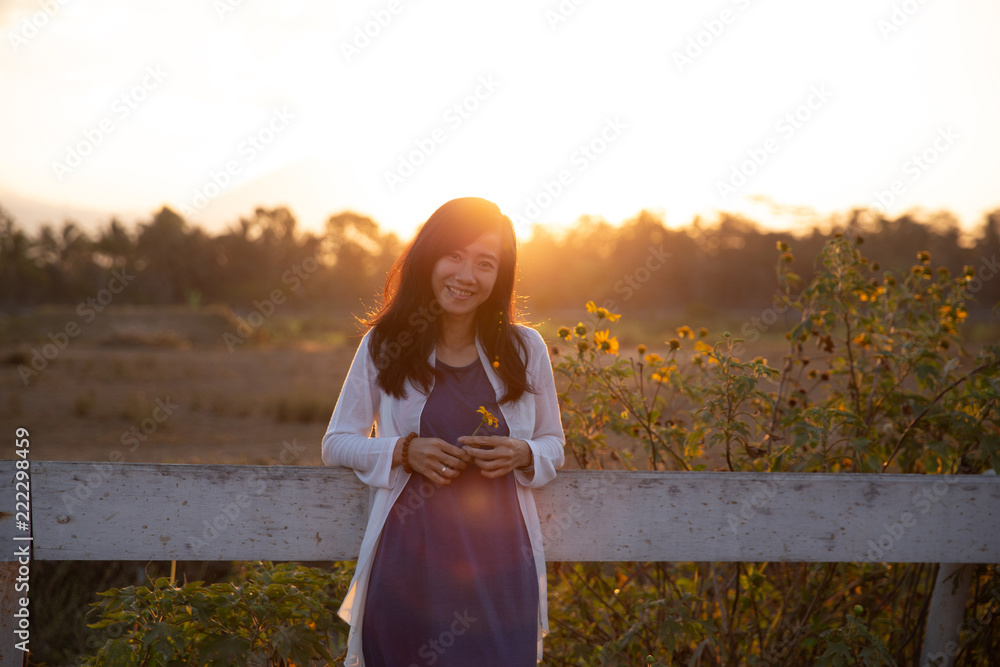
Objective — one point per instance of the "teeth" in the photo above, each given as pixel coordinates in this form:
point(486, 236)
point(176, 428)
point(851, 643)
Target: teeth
point(460, 292)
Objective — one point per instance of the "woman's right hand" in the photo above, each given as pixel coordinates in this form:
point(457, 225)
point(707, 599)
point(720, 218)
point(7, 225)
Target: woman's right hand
point(434, 458)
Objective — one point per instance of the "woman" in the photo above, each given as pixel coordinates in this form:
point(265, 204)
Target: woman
point(466, 423)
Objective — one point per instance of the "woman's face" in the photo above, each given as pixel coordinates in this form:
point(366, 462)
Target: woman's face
point(463, 279)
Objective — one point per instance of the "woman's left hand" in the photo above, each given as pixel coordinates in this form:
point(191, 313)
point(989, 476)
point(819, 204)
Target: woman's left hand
point(496, 455)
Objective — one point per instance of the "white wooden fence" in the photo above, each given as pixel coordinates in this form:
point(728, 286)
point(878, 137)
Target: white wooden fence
point(139, 511)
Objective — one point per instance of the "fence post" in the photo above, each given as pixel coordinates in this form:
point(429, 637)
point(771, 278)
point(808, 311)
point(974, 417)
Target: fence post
point(945, 613)
point(9, 655)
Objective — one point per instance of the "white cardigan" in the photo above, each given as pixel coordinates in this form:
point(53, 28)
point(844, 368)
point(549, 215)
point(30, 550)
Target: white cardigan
point(533, 418)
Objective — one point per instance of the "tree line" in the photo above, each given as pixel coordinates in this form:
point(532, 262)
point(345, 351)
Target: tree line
point(639, 266)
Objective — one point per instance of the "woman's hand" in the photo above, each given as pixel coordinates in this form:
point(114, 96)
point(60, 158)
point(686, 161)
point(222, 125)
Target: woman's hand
point(496, 455)
point(433, 458)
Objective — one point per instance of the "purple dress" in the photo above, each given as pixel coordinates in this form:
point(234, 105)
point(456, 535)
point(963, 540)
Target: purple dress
point(453, 582)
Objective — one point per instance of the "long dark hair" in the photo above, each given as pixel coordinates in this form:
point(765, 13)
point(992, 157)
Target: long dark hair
point(406, 327)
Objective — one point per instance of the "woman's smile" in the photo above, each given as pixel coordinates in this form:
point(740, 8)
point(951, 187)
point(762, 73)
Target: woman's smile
point(463, 279)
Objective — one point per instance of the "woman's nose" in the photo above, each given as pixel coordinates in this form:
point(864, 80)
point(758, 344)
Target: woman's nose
point(463, 273)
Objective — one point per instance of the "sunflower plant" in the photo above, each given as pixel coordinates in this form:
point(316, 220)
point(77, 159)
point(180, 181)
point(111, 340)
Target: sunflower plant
point(875, 377)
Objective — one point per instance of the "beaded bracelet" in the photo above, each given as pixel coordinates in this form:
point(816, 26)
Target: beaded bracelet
point(406, 451)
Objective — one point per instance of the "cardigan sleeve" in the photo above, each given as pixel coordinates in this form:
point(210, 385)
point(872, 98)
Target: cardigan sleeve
point(348, 440)
point(548, 439)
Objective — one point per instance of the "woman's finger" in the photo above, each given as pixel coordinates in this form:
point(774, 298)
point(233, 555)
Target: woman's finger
point(454, 452)
point(453, 463)
point(478, 441)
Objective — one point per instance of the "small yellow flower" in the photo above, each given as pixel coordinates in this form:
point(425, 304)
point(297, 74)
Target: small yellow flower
point(704, 351)
point(653, 359)
point(951, 315)
point(641, 349)
point(581, 329)
point(601, 312)
point(662, 374)
point(487, 420)
point(674, 344)
point(685, 332)
point(563, 333)
point(702, 332)
point(606, 342)
point(924, 257)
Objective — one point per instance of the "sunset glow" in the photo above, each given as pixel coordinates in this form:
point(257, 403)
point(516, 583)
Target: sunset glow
point(552, 110)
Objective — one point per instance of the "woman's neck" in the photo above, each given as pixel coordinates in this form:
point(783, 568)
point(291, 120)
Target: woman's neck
point(457, 333)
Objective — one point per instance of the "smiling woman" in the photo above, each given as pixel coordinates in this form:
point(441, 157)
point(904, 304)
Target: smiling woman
point(451, 569)
point(463, 279)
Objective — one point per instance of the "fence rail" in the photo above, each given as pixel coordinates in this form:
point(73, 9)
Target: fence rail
point(142, 511)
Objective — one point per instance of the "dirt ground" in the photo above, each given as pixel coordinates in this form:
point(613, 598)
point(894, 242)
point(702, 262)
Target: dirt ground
point(147, 387)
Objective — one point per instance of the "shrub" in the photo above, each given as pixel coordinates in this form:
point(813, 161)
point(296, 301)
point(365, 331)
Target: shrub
point(284, 614)
point(885, 386)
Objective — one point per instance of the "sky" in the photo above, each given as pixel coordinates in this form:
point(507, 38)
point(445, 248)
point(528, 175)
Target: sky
point(784, 111)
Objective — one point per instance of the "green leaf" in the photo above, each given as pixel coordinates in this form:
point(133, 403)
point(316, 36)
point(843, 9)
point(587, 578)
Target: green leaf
point(118, 654)
point(225, 651)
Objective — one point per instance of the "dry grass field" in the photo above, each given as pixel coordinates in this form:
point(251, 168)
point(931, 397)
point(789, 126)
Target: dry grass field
point(165, 388)
point(106, 395)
